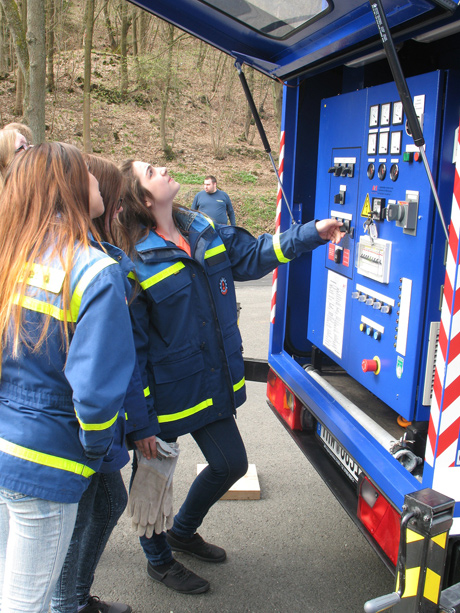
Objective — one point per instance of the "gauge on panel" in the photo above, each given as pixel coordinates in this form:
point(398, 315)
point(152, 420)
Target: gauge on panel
point(374, 116)
point(372, 143)
point(394, 172)
point(395, 143)
point(383, 142)
point(398, 113)
point(382, 172)
point(385, 114)
point(371, 170)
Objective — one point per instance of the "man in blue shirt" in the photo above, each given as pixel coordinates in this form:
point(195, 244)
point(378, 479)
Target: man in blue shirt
point(214, 202)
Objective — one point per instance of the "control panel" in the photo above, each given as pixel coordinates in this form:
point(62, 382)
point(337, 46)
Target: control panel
point(374, 298)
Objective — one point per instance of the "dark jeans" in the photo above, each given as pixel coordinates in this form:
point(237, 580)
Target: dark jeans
point(223, 448)
point(99, 509)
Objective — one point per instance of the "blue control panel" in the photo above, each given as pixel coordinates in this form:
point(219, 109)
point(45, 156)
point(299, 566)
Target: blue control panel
point(375, 298)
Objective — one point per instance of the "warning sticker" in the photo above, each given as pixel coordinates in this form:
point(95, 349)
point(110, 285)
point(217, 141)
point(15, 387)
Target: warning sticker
point(366, 210)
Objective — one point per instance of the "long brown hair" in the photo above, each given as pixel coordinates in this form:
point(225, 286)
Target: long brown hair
point(111, 186)
point(136, 219)
point(44, 208)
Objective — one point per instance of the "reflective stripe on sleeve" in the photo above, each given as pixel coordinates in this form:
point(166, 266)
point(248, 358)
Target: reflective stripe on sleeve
point(104, 426)
point(45, 459)
point(84, 282)
point(147, 391)
point(278, 251)
point(239, 385)
point(159, 276)
point(182, 414)
point(214, 251)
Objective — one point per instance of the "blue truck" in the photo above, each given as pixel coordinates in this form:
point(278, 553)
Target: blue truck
point(363, 365)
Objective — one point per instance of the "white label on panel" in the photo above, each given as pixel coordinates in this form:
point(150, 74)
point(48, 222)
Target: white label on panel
point(334, 319)
point(404, 312)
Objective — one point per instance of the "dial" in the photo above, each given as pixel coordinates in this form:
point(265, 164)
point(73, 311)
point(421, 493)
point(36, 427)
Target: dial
point(372, 143)
point(385, 114)
point(371, 170)
point(383, 142)
point(374, 116)
point(395, 143)
point(382, 172)
point(394, 172)
point(398, 113)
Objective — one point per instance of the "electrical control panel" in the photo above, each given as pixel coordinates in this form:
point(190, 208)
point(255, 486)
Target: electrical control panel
point(375, 297)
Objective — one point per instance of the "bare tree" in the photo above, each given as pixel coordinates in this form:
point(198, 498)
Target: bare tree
point(50, 44)
point(124, 48)
point(18, 34)
point(89, 20)
point(37, 72)
point(108, 24)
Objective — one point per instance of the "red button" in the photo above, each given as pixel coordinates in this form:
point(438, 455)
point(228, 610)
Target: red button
point(369, 365)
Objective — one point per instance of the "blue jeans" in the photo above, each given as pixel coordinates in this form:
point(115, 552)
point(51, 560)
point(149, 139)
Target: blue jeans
point(100, 507)
point(34, 538)
point(223, 448)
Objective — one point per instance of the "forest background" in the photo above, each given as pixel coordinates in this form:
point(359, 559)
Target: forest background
point(113, 79)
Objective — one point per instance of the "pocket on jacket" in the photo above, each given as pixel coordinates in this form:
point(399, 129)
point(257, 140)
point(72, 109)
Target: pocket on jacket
point(174, 283)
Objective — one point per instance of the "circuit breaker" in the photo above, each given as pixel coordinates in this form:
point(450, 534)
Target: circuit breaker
point(375, 297)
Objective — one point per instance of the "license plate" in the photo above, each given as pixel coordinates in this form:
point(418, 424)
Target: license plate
point(348, 464)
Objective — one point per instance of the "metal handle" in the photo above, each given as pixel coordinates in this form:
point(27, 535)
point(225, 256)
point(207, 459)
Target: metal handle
point(382, 603)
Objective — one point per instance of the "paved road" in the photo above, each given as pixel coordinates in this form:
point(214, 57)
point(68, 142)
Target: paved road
point(294, 550)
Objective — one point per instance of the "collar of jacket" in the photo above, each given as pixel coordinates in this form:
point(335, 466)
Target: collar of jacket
point(194, 224)
point(115, 253)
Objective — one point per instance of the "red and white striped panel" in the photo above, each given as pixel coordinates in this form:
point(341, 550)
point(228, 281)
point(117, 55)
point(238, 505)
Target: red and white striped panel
point(444, 425)
point(277, 226)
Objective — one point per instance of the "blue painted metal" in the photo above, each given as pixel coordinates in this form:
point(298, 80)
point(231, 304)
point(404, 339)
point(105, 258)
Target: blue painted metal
point(401, 372)
point(348, 25)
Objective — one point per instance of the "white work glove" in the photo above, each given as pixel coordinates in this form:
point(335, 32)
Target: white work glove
point(147, 495)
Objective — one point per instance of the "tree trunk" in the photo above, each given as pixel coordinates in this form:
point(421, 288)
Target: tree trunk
point(89, 20)
point(248, 118)
point(37, 72)
point(277, 89)
point(108, 24)
point(18, 34)
point(166, 89)
point(143, 28)
point(50, 44)
point(124, 49)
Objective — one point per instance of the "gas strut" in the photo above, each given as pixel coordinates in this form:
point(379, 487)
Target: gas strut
point(261, 130)
point(405, 96)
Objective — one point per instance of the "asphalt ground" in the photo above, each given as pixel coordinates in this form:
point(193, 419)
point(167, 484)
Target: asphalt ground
point(294, 550)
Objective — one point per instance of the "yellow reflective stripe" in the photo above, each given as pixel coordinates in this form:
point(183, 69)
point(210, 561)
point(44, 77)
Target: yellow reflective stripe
point(278, 251)
point(131, 275)
point(45, 459)
point(167, 272)
point(239, 385)
point(182, 414)
point(84, 282)
point(41, 307)
point(147, 392)
point(214, 251)
point(103, 426)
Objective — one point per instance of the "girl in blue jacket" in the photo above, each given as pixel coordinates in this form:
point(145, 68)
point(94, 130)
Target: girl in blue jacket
point(104, 501)
point(189, 348)
point(64, 323)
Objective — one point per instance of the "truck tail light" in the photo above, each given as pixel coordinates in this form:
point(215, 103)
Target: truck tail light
point(380, 518)
point(284, 401)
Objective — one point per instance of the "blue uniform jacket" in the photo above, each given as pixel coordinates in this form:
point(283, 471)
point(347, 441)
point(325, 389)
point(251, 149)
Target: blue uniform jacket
point(134, 422)
point(188, 341)
point(58, 411)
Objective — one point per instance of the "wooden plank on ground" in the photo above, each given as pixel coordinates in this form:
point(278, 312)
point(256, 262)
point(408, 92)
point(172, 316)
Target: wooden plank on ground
point(246, 488)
